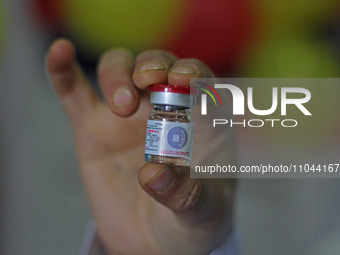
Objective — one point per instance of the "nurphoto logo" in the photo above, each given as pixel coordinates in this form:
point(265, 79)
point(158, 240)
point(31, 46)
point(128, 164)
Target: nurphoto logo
point(240, 101)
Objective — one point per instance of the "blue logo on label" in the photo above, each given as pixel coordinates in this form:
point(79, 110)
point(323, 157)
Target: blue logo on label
point(177, 137)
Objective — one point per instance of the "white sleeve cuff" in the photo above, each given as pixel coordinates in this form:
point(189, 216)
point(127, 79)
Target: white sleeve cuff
point(92, 245)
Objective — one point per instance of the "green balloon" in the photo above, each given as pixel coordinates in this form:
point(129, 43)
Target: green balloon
point(300, 58)
point(292, 13)
point(292, 57)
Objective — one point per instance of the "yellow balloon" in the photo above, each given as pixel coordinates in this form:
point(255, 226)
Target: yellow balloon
point(99, 25)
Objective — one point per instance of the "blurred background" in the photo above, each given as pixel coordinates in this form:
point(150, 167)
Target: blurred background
point(43, 205)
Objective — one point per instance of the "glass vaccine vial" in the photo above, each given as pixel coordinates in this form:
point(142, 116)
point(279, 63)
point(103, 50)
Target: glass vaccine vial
point(170, 129)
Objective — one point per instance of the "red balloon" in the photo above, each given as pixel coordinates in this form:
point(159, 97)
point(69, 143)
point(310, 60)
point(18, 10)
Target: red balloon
point(217, 32)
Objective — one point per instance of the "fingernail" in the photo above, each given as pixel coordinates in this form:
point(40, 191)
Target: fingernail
point(163, 180)
point(185, 69)
point(152, 66)
point(122, 97)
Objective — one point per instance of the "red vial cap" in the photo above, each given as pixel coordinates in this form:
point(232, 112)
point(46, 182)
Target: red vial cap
point(173, 89)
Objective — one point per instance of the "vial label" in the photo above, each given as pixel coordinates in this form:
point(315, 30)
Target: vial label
point(172, 139)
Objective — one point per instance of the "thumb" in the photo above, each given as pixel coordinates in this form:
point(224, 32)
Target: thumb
point(194, 200)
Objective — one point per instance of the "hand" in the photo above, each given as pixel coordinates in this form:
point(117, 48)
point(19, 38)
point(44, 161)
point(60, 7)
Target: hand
point(153, 209)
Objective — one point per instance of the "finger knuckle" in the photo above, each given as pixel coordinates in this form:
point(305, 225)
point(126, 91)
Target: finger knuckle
point(155, 54)
point(115, 58)
point(192, 61)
